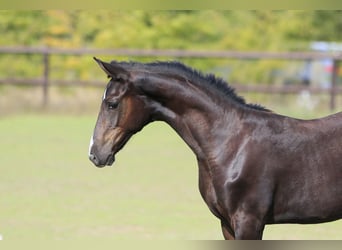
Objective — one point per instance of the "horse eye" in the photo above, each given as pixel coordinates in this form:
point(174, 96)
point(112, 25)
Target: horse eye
point(112, 105)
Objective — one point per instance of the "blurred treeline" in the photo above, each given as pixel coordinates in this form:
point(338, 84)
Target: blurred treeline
point(200, 30)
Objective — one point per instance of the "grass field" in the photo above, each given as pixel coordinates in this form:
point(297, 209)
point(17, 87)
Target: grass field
point(50, 190)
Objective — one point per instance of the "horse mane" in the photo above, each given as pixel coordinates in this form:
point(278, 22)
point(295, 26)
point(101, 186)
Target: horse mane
point(208, 81)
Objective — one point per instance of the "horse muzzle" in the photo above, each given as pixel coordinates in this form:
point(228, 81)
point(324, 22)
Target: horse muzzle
point(106, 158)
point(100, 163)
point(103, 154)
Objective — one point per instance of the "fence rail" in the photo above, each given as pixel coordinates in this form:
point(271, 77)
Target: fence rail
point(46, 52)
point(176, 53)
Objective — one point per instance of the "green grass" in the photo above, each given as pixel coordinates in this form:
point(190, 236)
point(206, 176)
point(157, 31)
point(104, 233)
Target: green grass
point(50, 190)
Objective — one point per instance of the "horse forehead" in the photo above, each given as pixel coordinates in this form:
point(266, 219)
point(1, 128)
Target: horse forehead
point(107, 90)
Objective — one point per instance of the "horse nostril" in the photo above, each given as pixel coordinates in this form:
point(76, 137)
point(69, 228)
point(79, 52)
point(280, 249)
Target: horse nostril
point(93, 158)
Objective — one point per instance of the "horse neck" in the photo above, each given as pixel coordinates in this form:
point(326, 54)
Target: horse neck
point(191, 111)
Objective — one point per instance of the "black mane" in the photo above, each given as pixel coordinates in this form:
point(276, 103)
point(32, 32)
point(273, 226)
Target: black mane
point(208, 81)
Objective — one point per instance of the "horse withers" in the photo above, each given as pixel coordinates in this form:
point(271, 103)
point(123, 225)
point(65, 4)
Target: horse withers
point(256, 167)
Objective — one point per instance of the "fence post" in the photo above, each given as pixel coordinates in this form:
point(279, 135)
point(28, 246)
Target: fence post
point(45, 78)
point(333, 87)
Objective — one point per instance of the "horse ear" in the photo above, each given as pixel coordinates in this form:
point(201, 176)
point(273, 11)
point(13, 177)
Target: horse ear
point(113, 70)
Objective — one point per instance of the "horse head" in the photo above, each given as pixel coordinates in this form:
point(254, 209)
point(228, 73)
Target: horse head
point(122, 114)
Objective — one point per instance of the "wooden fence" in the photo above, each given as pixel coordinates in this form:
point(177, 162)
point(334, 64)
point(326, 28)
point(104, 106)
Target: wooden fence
point(44, 81)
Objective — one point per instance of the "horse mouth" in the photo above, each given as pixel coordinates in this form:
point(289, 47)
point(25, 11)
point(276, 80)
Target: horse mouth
point(110, 160)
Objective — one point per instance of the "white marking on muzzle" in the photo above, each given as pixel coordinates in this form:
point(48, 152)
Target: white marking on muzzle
point(91, 145)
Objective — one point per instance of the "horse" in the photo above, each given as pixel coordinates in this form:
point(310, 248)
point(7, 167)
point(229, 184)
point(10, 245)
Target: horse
point(256, 167)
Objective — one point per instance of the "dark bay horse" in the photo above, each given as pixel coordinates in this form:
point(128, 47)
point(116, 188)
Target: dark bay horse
point(255, 167)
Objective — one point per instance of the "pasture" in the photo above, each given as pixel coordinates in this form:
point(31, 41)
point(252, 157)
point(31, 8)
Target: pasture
point(50, 190)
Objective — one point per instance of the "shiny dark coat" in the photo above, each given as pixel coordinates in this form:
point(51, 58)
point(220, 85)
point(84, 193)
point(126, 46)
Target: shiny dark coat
point(255, 167)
